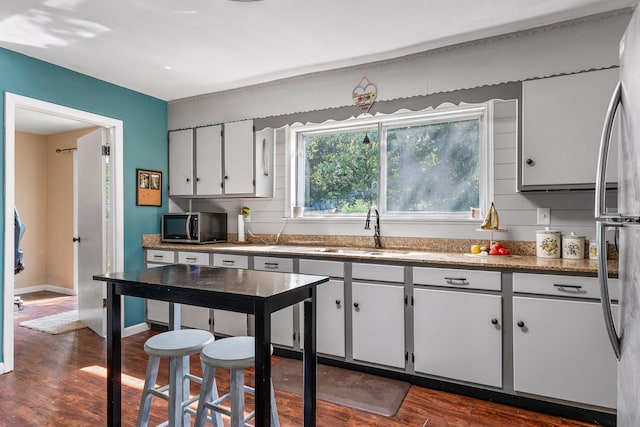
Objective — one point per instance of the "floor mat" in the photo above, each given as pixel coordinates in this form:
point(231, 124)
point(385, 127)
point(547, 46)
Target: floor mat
point(379, 395)
point(55, 324)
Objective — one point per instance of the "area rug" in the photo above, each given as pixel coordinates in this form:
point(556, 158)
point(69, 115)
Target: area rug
point(55, 324)
point(382, 396)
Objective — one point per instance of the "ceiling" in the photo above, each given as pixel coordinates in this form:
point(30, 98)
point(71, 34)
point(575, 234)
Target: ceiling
point(172, 49)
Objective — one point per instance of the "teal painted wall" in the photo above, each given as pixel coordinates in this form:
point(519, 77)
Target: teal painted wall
point(145, 143)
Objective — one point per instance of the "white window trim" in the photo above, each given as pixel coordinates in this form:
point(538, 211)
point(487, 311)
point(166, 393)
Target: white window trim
point(482, 111)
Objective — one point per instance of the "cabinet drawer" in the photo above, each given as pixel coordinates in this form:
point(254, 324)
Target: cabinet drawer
point(154, 255)
point(378, 272)
point(231, 261)
point(273, 264)
point(193, 258)
point(453, 278)
point(566, 286)
point(322, 268)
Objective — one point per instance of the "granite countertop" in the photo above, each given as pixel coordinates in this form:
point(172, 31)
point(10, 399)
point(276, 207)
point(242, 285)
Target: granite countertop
point(410, 256)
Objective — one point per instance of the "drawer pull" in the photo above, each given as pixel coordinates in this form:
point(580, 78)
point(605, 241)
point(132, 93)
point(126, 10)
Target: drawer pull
point(520, 324)
point(228, 261)
point(158, 256)
point(191, 259)
point(271, 265)
point(456, 280)
point(338, 302)
point(574, 289)
point(494, 321)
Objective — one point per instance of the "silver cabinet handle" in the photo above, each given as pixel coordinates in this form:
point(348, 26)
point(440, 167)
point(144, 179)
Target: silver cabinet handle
point(228, 262)
point(191, 258)
point(456, 280)
point(603, 275)
point(601, 172)
point(574, 289)
point(271, 265)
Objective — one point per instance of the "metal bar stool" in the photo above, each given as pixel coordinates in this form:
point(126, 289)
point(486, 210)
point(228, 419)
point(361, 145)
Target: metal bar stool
point(177, 346)
point(236, 354)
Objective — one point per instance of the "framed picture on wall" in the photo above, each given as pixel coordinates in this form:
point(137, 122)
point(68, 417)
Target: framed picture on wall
point(148, 188)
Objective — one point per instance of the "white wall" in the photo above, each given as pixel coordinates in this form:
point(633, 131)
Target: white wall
point(570, 47)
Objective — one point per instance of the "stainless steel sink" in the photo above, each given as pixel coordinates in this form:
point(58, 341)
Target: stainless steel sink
point(359, 252)
point(342, 251)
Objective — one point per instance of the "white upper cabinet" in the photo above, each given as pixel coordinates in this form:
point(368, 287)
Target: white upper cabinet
point(181, 163)
point(208, 163)
point(238, 157)
point(562, 120)
point(195, 162)
point(222, 160)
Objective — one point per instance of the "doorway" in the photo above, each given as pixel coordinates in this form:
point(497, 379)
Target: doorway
point(16, 103)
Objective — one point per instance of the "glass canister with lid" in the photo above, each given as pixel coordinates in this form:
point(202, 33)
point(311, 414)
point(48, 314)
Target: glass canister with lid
point(548, 243)
point(572, 246)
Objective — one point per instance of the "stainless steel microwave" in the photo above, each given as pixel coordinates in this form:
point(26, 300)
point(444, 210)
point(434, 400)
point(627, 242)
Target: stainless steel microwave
point(194, 227)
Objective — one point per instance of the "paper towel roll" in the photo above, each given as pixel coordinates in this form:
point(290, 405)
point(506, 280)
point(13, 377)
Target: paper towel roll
point(240, 228)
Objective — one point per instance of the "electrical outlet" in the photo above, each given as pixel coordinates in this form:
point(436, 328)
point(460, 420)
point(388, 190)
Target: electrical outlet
point(544, 216)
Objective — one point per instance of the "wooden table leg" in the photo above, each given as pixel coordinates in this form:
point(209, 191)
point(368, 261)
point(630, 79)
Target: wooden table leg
point(263, 368)
point(310, 360)
point(114, 358)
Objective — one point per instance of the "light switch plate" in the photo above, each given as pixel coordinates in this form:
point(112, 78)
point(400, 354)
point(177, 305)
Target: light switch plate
point(544, 216)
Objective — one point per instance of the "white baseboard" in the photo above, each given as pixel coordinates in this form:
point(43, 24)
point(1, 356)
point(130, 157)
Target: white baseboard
point(2, 368)
point(135, 329)
point(51, 288)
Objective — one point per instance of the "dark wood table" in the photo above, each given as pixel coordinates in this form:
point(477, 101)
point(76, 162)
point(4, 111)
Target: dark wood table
point(246, 291)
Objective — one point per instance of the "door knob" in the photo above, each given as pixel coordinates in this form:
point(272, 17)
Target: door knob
point(76, 239)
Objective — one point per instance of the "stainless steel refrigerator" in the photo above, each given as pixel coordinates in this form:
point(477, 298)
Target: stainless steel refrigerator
point(626, 339)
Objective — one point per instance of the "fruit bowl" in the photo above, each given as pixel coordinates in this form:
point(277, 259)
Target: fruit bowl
point(495, 249)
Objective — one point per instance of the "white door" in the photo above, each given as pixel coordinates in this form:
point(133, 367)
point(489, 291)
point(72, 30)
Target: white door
point(92, 227)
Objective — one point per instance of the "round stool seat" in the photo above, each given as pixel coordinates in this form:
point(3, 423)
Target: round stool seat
point(178, 343)
point(233, 352)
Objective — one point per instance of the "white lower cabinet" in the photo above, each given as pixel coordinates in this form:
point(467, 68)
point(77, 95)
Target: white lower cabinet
point(330, 323)
point(330, 336)
point(158, 311)
point(281, 320)
point(561, 350)
point(191, 316)
point(228, 322)
point(378, 323)
point(458, 335)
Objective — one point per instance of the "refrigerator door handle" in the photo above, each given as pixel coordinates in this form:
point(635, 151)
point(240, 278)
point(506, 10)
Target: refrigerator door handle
point(601, 172)
point(603, 275)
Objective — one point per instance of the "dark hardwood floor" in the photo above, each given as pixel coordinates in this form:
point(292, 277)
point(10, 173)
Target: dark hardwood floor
point(59, 380)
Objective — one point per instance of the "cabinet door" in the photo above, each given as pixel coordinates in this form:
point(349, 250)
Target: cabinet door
point(458, 335)
point(281, 320)
point(561, 350)
point(330, 336)
point(265, 162)
point(209, 161)
point(562, 120)
point(157, 311)
point(181, 162)
point(228, 322)
point(238, 157)
point(192, 316)
point(378, 323)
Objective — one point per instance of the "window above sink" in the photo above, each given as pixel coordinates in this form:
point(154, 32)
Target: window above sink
point(431, 164)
